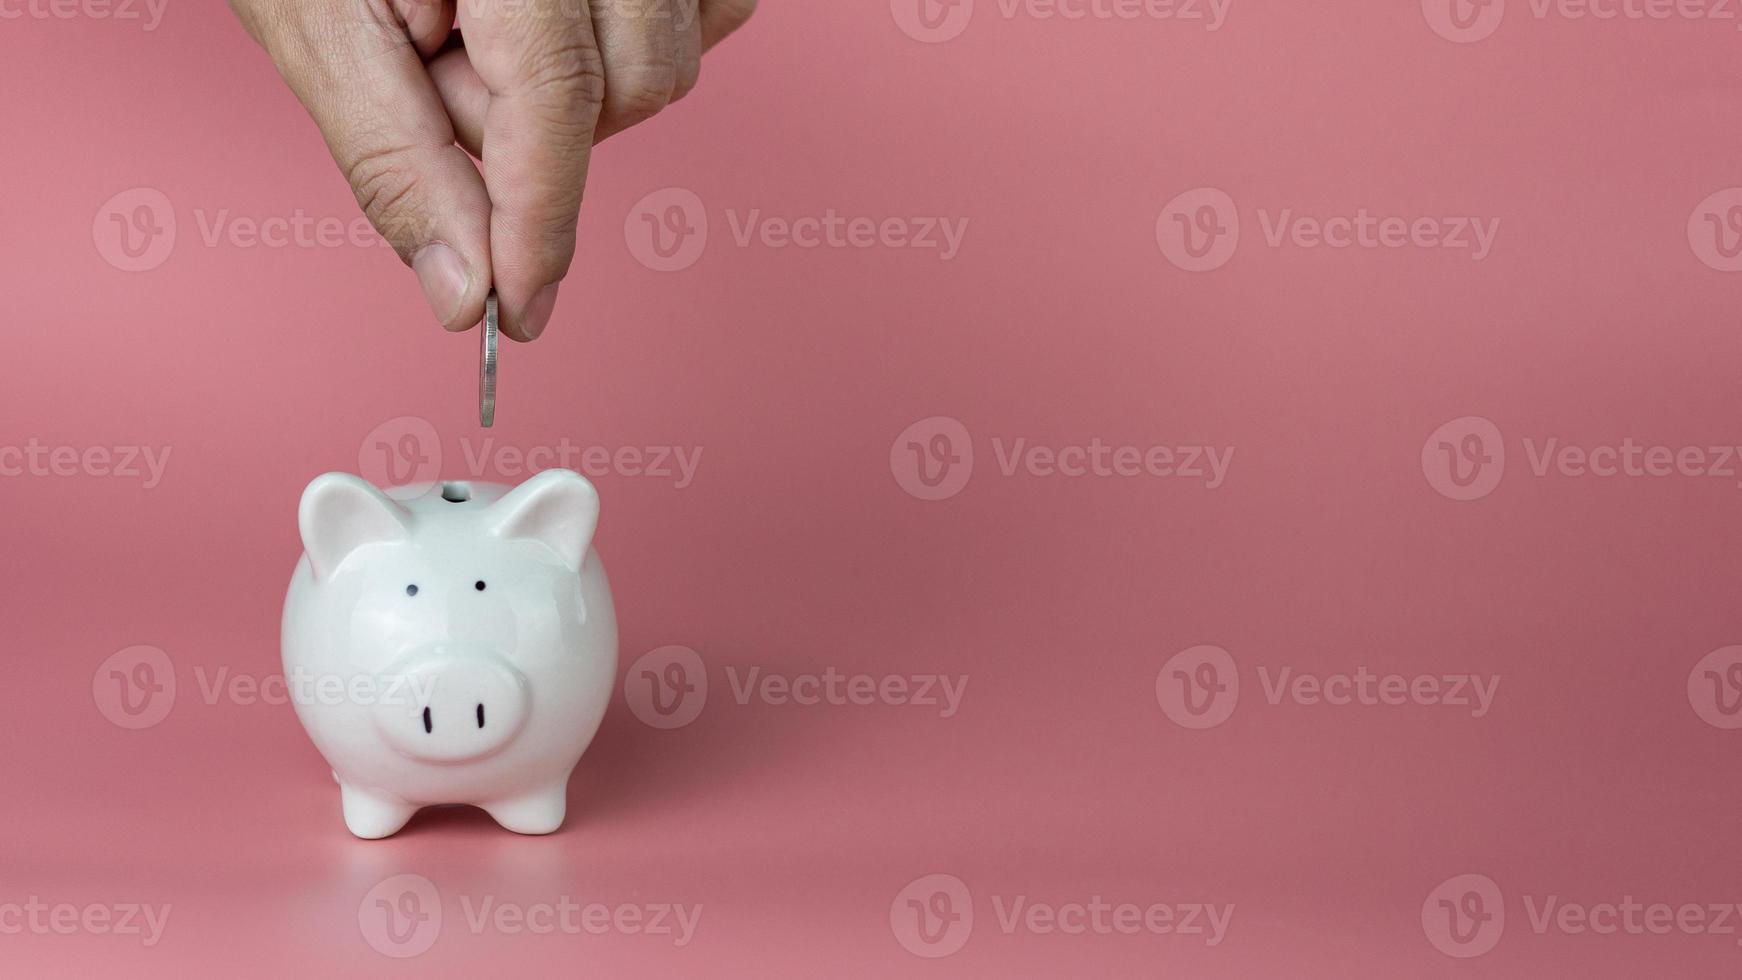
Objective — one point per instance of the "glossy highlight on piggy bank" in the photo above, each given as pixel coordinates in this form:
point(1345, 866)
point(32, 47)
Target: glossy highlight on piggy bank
point(458, 645)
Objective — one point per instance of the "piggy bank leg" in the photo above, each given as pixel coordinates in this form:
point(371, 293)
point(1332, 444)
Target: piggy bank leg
point(538, 812)
point(371, 815)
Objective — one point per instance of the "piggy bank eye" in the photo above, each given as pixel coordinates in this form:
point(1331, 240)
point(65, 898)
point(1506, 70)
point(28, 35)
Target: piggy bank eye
point(411, 590)
point(479, 585)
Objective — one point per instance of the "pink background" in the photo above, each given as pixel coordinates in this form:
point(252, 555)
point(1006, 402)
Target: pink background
point(1062, 320)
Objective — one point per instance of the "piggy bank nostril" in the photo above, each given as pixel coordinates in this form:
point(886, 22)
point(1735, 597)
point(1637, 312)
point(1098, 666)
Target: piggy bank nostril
point(483, 702)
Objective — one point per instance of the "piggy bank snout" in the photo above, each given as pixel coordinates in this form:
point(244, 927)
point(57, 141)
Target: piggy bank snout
point(453, 706)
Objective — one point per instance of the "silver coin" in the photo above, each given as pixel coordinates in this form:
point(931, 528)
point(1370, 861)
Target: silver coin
point(487, 364)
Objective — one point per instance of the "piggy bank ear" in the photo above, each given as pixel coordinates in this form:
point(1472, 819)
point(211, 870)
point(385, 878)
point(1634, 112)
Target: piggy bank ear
point(557, 508)
point(339, 514)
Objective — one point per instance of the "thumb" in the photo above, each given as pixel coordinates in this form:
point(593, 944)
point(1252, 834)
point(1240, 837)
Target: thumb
point(361, 79)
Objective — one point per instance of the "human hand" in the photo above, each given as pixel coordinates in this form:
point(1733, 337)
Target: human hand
point(403, 90)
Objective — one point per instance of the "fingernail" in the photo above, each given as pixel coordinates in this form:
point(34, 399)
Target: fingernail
point(443, 277)
point(538, 312)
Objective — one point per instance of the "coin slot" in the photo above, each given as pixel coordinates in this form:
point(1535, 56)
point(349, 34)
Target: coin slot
point(456, 493)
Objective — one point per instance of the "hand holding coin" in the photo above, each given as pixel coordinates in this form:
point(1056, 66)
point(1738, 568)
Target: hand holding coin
point(409, 92)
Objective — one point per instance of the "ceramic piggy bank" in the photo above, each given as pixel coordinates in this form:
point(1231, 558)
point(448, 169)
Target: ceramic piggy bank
point(457, 647)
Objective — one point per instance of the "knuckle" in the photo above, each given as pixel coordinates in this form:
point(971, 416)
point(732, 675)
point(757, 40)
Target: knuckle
point(324, 45)
point(385, 182)
point(420, 16)
point(636, 94)
point(568, 76)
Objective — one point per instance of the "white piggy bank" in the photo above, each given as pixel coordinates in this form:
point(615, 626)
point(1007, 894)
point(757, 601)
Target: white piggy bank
point(458, 647)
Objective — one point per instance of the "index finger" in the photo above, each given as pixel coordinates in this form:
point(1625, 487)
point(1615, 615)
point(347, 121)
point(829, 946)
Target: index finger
point(540, 63)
